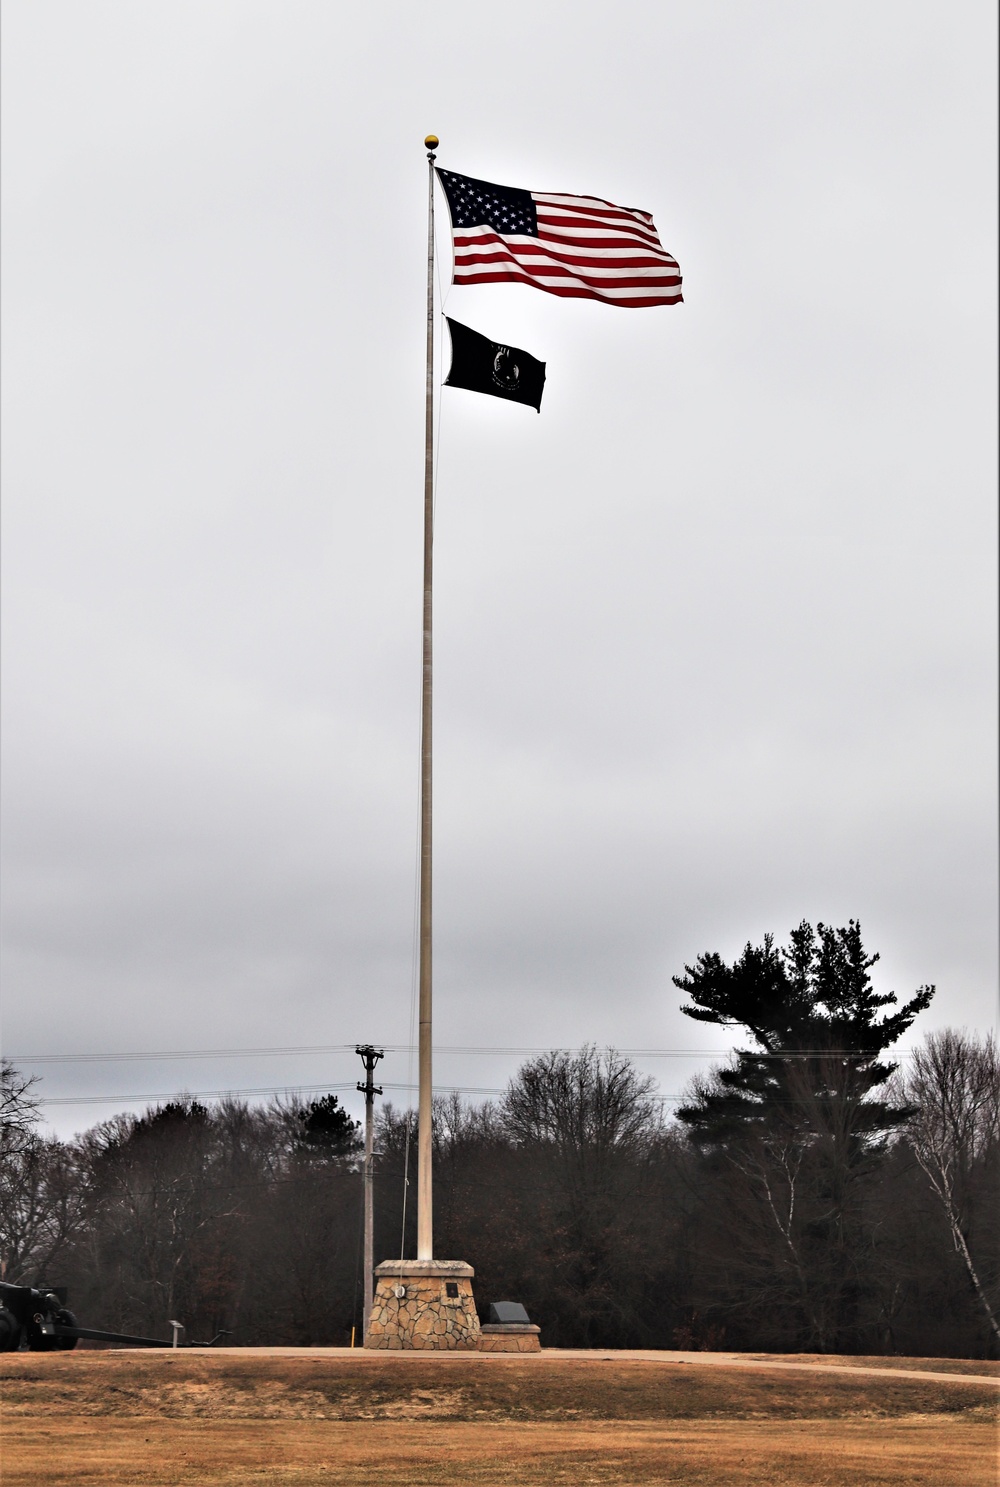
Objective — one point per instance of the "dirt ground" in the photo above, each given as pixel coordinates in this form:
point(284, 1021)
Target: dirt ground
point(160, 1419)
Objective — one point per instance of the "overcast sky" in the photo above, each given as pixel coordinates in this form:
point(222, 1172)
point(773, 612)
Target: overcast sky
point(714, 632)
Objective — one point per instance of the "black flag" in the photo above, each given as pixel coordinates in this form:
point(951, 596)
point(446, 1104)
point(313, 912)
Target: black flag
point(482, 365)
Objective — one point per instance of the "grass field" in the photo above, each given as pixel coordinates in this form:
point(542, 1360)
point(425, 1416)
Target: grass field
point(159, 1419)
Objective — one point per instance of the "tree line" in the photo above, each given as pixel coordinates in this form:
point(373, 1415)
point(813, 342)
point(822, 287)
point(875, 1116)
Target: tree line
point(810, 1194)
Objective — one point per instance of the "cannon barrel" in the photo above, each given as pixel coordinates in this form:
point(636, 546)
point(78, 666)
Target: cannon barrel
point(39, 1316)
point(94, 1334)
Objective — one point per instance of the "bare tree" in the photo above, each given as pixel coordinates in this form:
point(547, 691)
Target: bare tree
point(579, 1215)
point(954, 1132)
point(160, 1208)
point(584, 1104)
point(18, 1109)
point(41, 1187)
point(43, 1204)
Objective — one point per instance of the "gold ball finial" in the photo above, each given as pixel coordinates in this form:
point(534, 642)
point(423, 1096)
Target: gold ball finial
point(432, 142)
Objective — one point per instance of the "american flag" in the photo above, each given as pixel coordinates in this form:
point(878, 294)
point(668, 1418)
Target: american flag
point(576, 246)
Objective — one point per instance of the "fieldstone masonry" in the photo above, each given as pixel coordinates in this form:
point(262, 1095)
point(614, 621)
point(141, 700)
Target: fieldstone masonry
point(510, 1337)
point(423, 1304)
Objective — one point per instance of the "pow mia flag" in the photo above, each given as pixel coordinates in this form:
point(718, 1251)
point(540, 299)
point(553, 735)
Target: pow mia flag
point(481, 365)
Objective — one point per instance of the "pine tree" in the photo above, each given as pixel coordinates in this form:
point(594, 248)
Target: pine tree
point(793, 1129)
point(326, 1129)
point(812, 1011)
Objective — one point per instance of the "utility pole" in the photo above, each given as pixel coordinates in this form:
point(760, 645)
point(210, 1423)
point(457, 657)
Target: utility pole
point(369, 1057)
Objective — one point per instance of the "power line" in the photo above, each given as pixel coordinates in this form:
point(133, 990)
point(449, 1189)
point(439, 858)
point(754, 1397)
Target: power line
point(176, 1053)
point(280, 1089)
point(152, 1055)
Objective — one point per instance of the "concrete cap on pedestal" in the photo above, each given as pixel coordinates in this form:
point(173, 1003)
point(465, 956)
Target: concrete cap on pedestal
point(415, 1269)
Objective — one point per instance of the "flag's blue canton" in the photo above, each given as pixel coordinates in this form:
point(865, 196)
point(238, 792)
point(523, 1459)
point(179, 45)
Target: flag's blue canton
point(481, 204)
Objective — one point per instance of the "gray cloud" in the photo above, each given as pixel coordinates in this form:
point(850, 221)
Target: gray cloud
point(714, 633)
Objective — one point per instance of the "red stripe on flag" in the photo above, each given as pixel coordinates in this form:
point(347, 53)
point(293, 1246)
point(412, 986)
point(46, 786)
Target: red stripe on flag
point(567, 291)
point(539, 269)
point(638, 266)
point(558, 281)
point(619, 230)
point(598, 254)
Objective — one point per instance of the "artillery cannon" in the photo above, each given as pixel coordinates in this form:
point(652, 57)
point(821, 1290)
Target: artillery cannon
point(39, 1317)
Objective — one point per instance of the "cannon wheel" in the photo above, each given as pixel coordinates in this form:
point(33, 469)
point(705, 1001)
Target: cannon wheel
point(65, 1318)
point(10, 1331)
point(41, 1342)
point(38, 1341)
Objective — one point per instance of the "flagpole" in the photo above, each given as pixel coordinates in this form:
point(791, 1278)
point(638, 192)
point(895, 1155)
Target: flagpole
point(425, 1217)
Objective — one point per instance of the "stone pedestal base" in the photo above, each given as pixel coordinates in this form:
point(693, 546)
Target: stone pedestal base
point(425, 1304)
point(509, 1337)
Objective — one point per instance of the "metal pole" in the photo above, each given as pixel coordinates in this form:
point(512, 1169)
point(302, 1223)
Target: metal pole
point(425, 1216)
point(369, 1057)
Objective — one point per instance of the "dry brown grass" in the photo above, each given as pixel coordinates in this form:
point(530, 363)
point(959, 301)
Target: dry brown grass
point(244, 1384)
point(164, 1453)
point(881, 1360)
point(158, 1420)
